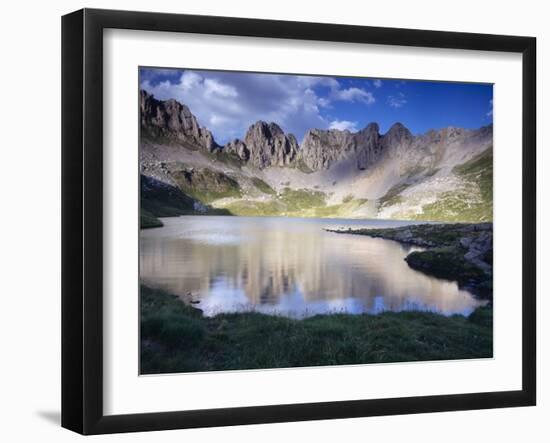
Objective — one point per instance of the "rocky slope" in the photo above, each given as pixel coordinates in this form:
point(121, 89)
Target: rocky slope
point(160, 199)
point(321, 149)
point(172, 120)
point(265, 145)
point(443, 174)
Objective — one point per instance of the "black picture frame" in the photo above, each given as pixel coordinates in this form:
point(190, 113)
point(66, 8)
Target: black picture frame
point(82, 218)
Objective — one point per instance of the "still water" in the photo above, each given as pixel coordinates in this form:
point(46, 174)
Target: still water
point(289, 266)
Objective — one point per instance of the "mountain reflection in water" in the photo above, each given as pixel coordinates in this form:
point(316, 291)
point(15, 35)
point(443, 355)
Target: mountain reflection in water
point(289, 266)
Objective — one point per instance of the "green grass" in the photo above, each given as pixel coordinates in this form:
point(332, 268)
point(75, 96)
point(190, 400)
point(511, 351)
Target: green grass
point(478, 164)
point(472, 202)
point(171, 209)
point(447, 263)
point(227, 158)
point(347, 198)
point(459, 205)
point(290, 202)
point(159, 199)
point(456, 207)
point(296, 203)
point(393, 197)
point(480, 170)
point(164, 208)
point(162, 200)
point(148, 220)
point(301, 166)
point(299, 199)
point(206, 185)
point(249, 208)
point(177, 338)
point(263, 186)
point(344, 209)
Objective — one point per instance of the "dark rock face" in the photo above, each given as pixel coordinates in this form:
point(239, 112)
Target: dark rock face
point(265, 145)
point(397, 135)
point(479, 249)
point(270, 146)
point(173, 120)
point(322, 148)
point(368, 146)
point(238, 148)
point(162, 199)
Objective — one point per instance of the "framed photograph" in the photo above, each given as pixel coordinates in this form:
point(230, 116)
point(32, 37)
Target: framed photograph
point(269, 221)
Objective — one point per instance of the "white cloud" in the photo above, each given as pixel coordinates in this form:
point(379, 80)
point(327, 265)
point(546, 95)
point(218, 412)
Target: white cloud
point(397, 101)
point(188, 80)
point(213, 86)
point(352, 95)
point(227, 103)
point(377, 83)
point(217, 120)
point(490, 112)
point(323, 102)
point(343, 125)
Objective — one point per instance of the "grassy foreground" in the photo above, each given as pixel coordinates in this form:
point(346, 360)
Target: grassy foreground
point(176, 337)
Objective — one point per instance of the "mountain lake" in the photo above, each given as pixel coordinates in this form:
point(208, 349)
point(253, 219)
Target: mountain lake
point(290, 267)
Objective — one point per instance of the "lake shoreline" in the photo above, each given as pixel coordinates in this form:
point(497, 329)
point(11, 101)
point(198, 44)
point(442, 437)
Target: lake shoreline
point(290, 267)
point(176, 337)
point(458, 252)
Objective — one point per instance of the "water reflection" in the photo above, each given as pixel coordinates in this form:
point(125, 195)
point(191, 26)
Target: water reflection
point(289, 267)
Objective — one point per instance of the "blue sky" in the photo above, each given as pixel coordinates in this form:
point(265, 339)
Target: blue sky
point(227, 103)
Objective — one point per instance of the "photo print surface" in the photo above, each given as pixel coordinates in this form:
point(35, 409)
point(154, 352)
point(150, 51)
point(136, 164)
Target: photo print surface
point(301, 220)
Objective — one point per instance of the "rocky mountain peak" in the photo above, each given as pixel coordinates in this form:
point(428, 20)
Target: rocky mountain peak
point(484, 132)
point(371, 128)
point(173, 120)
point(238, 147)
point(321, 149)
point(368, 146)
point(398, 133)
point(397, 138)
point(268, 145)
point(264, 129)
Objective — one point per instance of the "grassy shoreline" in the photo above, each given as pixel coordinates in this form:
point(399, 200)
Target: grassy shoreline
point(176, 337)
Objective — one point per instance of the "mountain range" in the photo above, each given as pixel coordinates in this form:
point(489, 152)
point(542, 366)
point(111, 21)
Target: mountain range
point(442, 175)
